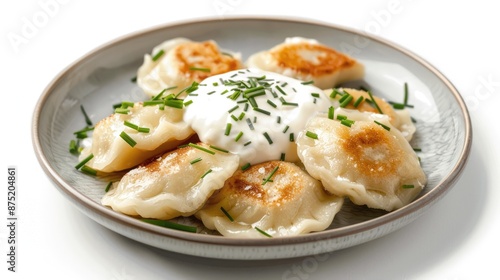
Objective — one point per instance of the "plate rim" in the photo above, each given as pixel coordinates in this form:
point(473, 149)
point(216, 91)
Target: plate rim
point(422, 202)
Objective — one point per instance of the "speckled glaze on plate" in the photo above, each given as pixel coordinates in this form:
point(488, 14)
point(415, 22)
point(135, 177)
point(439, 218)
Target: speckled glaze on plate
point(102, 78)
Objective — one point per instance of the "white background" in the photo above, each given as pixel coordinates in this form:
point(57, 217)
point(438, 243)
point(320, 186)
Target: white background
point(456, 239)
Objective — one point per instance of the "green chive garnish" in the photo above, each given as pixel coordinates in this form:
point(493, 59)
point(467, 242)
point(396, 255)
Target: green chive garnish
point(282, 157)
point(227, 214)
point(201, 148)
point(308, 83)
point(87, 119)
point(195, 160)
point(292, 137)
point(268, 177)
point(347, 122)
point(246, 166)
point(383, 125)
point(73, 147)
point(88, 170)
point(202, 69)
point(331, 111)
point(311, 135)
point(128, 139)
point(84, 161)
point(268, 138)
point(123, 111)
point(417, 149)
point(271, 103)
point(219, 149)
point(407, 186)
point(238, 136)
point(374, 102)
point(358, 101)
point(262, 111)
point(206, 173)
point(263, 232)
point(228, 129)
point(171, 225)
point(406, 94)
point(232, 109)
point(158, 55)
point(286, 129)
point(108, 186)
point(345, 100)
point(133, 79)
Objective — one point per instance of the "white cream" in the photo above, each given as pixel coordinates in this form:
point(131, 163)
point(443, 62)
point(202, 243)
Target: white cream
point(208, 114)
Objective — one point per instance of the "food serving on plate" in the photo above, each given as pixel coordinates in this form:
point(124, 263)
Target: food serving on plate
point(253, 150)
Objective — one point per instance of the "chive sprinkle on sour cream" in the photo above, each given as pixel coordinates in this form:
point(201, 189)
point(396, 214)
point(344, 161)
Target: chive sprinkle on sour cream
point(244, 105)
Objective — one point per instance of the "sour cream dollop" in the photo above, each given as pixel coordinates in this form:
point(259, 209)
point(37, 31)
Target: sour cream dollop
point(253, 113)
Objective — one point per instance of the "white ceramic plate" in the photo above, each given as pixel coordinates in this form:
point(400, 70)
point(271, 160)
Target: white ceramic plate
point(102, 78)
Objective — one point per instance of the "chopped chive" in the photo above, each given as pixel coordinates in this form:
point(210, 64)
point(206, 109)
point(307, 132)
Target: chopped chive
point(126, 104)
point(73, 147)
point(201, 148)
point(195, 160)
point(331, 111)
point(238, 136)
point(346, 101)
point(128, 139)
point(278, 119)
point(206, 173)
point(406, 94)
point(122, 111)
point(311, 135)
point(131, 125)
point(171, 225)
point(314, 94)
point(219, 149)
point(334, 93)
point(374, 102)
point(247, 143)
point(233, 109)
point(88, 170)
point(282, 157)
point(262, 111)
point(271, 103)
point(413, 120)
point(280, 90)
point(341, 117)
point(87, 119)
point(187, 103)
point(252, 102)
point(308, 83)
point(108, 186)
point(84, 161)
point(263, 232)
point(292, 137)
point(174, 103)
point(153, 102)
point(347, 122)
point(241, 116)
point(227, 214)
point(202, 69)
point(228, 129)
point(358, 101)
point(133, 79)
point(417, 149)
point(270, 175)
point(407, 186)
point(234, 118)
point(286, 129)
point(268, 138)
point(246, 166)
point(383, 125)
point(398, 106)
point(158, 55)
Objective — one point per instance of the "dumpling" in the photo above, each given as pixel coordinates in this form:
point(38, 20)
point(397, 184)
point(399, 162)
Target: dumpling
point(362, 157)
point(308, 60)
point(399, 118)
point(180, 62)
point(177, 183)
point(274, 198)
point(111, 152)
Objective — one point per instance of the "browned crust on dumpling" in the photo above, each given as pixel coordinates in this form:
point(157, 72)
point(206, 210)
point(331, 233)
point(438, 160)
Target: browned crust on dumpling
point(284, 185)
point(212, 59)
point(329, 60)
